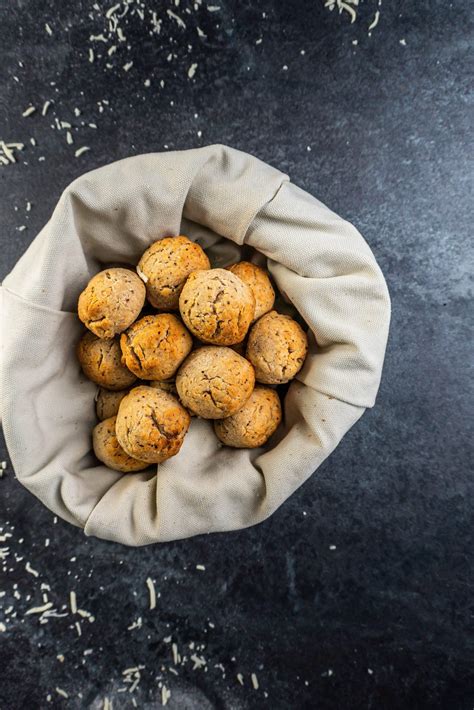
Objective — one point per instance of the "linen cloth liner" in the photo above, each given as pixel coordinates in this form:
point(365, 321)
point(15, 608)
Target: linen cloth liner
point(214, 194)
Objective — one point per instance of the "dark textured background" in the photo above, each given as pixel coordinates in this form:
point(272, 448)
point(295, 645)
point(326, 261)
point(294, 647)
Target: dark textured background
point(381, 131)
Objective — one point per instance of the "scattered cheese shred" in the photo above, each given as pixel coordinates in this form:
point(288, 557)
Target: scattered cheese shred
point(69, 138)
point(61, 692)
point(81, 151)
point(73, 602)
point(165, 695)
point(28, 111)
point(127, 66)
point(151, 590)
point(201, 568)
point(192, 70)
point(254, 681)
point(39, 609)
point(30, 569)
point(375, 21)
point(9, 158)
point(240, 678)
point(45, 108)
point(176, 18)
point(48, 29)
point(111, 10)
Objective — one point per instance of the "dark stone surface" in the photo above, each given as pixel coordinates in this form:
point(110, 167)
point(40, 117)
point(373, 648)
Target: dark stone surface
point(385, 619)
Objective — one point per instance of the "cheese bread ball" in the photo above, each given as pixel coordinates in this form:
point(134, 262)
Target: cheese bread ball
point(254, 423)
point(217, 306)
point(101, 362)
point(165, 385)
point(107, 403)
point(259, 281)
point(166, 265)
point(155, 346)
point(111, 301)
point(277, 347)
point(151, 424)
point(108, 450)
point(214, 382)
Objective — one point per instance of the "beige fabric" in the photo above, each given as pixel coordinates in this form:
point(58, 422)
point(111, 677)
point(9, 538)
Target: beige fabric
point(320, 262)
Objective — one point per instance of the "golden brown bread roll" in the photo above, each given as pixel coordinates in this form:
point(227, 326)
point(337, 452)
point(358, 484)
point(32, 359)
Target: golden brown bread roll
point(101, 362)
point(259, 281)
point(254, 423)
point(155, 346)
point(107, 403)
point(151, 424)
point(108, 450)
point(276, 347)
point(217, 306)
point(111, 301)
point(166, 265)
point(214, 382)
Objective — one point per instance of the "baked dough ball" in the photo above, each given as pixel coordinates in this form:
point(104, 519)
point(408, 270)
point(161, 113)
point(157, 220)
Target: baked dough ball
point(108, 450)
point(215, 382)
point(111, 301)
point(259, 281)
point(165, 386)
point(155, 346)
point(101, 362)
point(166, 265)
point(254, 423)
point(151, 424)
point(277, 347)
point(107, 403)
point(217, 306)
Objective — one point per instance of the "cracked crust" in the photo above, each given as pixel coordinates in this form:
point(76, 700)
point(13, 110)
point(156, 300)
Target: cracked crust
point(259, 282)
point(254, 423)
point(101, 362)
point(155, 346)
point(217, 306)
point(214, 382)
point(111, 301)
point(151, 424)
point(108, 450)
point(166, 265)
point(277, 347)
point(107, 403)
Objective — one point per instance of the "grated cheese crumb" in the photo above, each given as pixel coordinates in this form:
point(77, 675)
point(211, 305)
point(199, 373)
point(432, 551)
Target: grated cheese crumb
point(61, 692)
point(28, 111)
point(127, 66)
point(143, 276)
point(240, 678)
point(254, 681)
point(375, 21)
point(91, 55)
point(69, 138)
point(48, 29)
point(60, 657)
point(73, 602)
point(81, 151)
point(45, 108)
point(39, 609)
point(165, 695)
point(192, 70)
point(201, 568)
point(28, 567)
point(151, 590)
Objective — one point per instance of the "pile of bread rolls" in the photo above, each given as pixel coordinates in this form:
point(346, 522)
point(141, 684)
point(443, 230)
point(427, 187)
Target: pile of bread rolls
point(176, 339)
